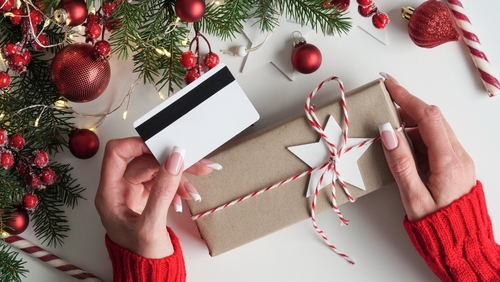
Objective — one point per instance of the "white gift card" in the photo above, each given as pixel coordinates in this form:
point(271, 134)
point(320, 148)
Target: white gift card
point(199, 118)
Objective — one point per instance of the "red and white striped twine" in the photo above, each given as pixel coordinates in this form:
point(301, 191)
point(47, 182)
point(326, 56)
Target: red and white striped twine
point(330, 165)
point(48, 258)
point(476, 52)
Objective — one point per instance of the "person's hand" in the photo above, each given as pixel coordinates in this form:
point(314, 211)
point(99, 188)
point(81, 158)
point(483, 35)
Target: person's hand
point(447, 170)
point(135, 193)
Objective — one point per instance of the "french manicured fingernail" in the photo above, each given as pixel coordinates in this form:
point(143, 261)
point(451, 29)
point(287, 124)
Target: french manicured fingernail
point(192, 191)
point(211, 164)
point(389, 77)
point(178, 203)
point(175, 160)
point(389, 138)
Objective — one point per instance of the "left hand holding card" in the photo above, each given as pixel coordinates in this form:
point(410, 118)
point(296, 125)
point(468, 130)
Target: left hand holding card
point(199, 118)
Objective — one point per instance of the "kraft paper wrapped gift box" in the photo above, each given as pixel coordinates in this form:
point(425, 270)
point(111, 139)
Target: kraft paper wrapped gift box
point(262, 159)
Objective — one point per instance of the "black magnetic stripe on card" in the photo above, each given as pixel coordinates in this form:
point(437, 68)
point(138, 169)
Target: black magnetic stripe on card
point(185, 104)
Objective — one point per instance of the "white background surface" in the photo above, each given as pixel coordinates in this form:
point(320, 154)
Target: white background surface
point(375, 238)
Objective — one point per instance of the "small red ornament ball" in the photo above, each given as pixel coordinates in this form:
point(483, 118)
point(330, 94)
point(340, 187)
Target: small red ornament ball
point(102, 48)
point(364, 2)
point(39, 159)
point(4, 79)
point(18, 221)
point(190, 10)
point(83, 144)
point(6, 159)
point(380, 20)
point(48, 176)
point(44, 42)
point(367, 11)
point(16, 19)
point(78, 74)
point(75, 10)
point(191, 75)
point(306, 58)
point(30, 201)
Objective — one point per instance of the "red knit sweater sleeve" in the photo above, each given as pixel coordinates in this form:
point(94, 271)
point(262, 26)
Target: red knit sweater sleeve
point(129, 267)
point(457, 241)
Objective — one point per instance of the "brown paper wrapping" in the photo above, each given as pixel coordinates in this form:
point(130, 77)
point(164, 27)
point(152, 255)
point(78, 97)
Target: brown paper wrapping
point(262, 159)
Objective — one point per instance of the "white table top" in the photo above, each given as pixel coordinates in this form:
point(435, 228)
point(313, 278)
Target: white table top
point(375, 238)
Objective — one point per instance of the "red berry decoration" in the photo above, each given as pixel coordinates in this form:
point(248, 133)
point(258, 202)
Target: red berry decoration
point(9, 49)
point(367, 11)
point(93, 30)
point(380, 20)
point(4, 80)
point(4, 137)
point(17, 142)
point(22, 169)
point(83, 143)
point(306, 58)
point(33, 181)
point(365, 2)
point(30, 201)
point(72, 12)
point(188, 60)
point(190, 10)
point(16, 19)
point(430, 24)
point(93, 18)
point(36, 17)
point(342, 5)
point(78, 74)
point(18, 221)
point(102, 48)
point(43, 42)
point(26, 55)
point(6, 159)
point(191, 75)
point(6, 5)
point(40, 158)
point(48, 176)
point(17, 61)
point(211, 60)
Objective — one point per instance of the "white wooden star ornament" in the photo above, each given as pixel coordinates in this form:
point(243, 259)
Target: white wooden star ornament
point(316, 154)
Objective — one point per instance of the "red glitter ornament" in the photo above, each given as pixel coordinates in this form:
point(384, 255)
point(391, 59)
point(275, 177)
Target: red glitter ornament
point(306, 58)
point(17, 221)
point(72, 12)
point(83, 143)
point(78, 74)
point(190, 10)
point(430, 24)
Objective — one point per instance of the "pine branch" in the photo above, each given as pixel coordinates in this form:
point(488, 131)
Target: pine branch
point(66, 190)
point(225, 21)
point(50, 222)
point(11, 267)
point(267, 15)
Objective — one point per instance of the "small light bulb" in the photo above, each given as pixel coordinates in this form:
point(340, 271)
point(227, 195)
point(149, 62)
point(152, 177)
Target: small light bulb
point(184, 42)
point(124, 116)
point(161, 96)
point(60, 104)
point(37, 121)
point(2, 115)
point(93, 10)
point(70, 36)
point(9, 14)
point(68, 21)
point(167, 53)
point(46, 23)
point(159, 51)
point(92, 129)
point(217, 2)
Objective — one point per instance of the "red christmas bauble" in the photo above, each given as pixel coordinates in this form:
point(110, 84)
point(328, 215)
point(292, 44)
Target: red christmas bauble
point(190, 10)
point(431, 24)
point(83, 143)
point(73, 12)
point(18, 222)
point(306, 58)
point(78, 74)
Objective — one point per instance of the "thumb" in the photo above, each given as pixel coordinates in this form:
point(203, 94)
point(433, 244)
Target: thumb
point(165, 187)
point(400, 159)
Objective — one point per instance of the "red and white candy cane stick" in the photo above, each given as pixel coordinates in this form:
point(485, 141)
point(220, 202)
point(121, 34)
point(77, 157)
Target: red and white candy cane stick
point(48, 258)
point(476, 52)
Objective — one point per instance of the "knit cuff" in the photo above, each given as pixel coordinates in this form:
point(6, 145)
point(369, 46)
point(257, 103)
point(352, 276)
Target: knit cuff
point(457, 241)
point(130, 267)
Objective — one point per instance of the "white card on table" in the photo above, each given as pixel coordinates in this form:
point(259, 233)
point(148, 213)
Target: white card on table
point(199, 118)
